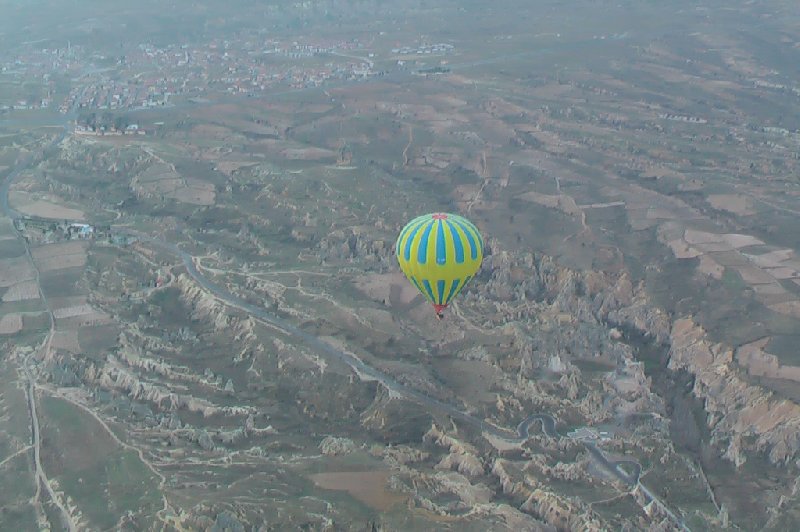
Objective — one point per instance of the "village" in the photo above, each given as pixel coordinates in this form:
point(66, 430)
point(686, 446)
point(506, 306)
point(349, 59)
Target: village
point(47, 230)
point(147, 76)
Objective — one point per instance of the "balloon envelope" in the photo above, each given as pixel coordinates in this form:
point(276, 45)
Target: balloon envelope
point(439, 253)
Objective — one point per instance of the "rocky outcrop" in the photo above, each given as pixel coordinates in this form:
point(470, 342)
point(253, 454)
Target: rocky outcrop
point(395, 421)
point(346, 245)
point(227, 522)
point(742, 417)
point(520, 287)
point(333, 446)
point(509, 484)
point(202, 304)
point(462, 456)
point(232, 437)
point(435, 494)
point(401, 455)
point(467, 464)
point(561, 513)
point(561, 470)
point(514, 519)
point(557, 511)
point(629, 306)
point(459, 485)
point(111, 377)
point(203, 439)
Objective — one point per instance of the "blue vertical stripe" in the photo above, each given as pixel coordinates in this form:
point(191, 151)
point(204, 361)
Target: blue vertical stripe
point(422, 250)
point(403, 233)
point(459, 245)
point(473, 251)
point(440, 289)
point(411, 235)
point(429, 290)
point(441, 250)
point(416, 283)
point(453, 288)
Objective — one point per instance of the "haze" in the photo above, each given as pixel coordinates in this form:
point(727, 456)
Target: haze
point(204, 326)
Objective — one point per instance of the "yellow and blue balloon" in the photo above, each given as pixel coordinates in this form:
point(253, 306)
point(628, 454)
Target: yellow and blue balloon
point(439, 253)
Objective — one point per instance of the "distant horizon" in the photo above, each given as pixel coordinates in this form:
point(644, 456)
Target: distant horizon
point(224, 303)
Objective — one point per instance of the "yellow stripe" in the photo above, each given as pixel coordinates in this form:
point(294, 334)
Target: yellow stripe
point(431, 271)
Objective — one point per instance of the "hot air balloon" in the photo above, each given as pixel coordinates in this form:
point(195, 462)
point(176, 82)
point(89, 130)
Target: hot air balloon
point(439, 253)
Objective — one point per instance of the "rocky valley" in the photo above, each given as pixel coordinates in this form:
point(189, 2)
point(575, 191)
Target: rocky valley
point(204, 327)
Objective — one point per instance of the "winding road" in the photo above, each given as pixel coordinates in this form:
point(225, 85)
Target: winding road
point(367, 372)
point(362, 369)
point(40, 476)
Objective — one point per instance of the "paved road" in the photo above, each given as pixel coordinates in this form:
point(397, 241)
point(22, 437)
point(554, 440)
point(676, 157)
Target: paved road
point(39, 473)
point(361, 368)
point(615, 467)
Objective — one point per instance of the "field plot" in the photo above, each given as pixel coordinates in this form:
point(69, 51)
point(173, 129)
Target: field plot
point(60, 249)
point(7, 228)
point(75, 311)
point(307, 154)
point(62, 282)
point(10, 247)
point(162, 179)
point(103, 479)
point(95, 342)
point(17, 487)
point(29, 204)
point(14, 271)
point(71, 312)
point(66, 340)
point(194, 192)
point(60, 256)
point(22, 291)
point(10, 323)
point(724, 252)
point(736, 204)
point(369, 487)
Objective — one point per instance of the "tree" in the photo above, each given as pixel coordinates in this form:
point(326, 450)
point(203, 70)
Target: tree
point(121, 122)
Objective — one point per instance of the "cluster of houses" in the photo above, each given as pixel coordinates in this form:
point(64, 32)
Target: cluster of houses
point(48, 230)
point(132, 129)
point(589, 434)
point(40, 65)
point(424, 49)
point(683, 118)
point(24, 105)
point(235, 66)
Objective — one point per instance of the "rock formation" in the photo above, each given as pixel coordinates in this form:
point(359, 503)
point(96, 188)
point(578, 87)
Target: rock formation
point(742, 417)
